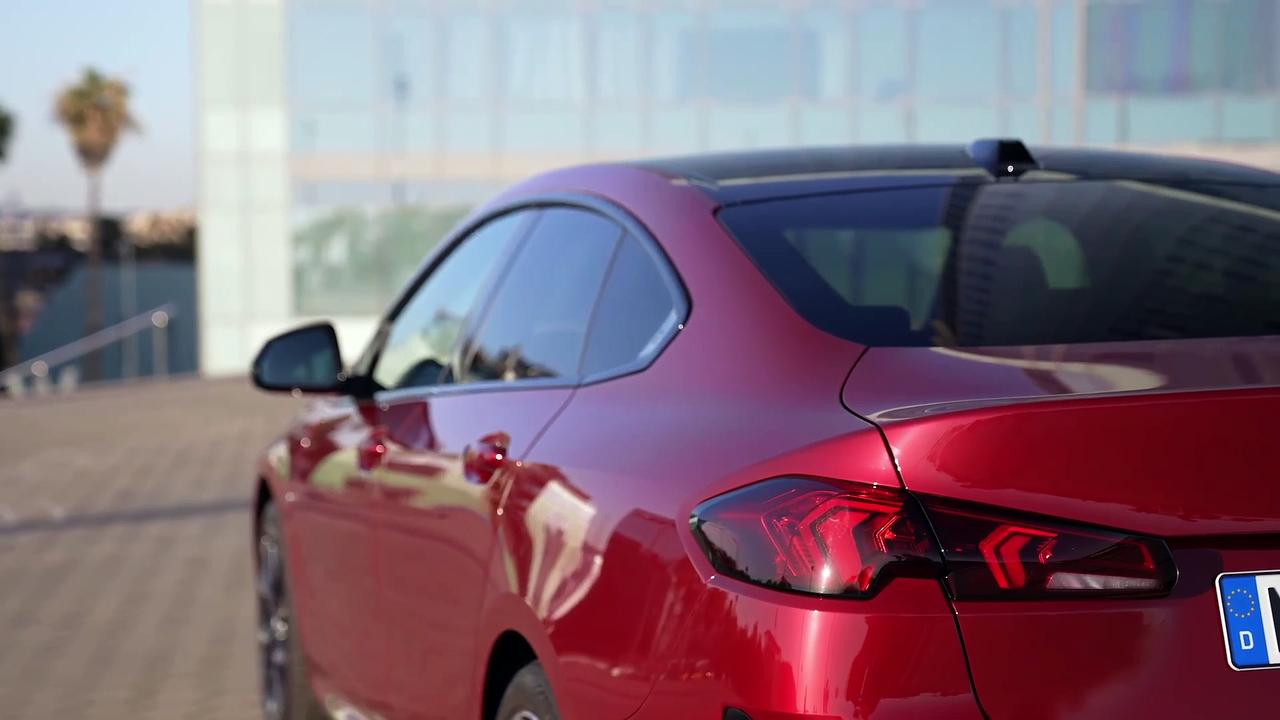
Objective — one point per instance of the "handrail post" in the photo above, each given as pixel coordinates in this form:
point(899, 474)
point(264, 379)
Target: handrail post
point(40, 384)
point(160, 343)
point(15, 385)
point(68, 379)
point(128, 306)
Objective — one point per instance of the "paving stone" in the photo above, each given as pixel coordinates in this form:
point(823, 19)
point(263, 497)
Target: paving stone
point(125, 578)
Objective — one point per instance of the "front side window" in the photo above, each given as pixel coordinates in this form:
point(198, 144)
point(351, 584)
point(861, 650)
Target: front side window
point(422, 339)
point(1025, 263)
point(537, 321)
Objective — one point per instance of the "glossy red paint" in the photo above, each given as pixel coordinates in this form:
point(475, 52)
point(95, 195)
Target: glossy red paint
point(411, 562)
point(436, 532)
point(1107, 658)
point(329, 514)
point(1172, 439)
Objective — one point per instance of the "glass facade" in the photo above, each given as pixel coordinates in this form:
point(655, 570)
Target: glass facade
point(393, 117)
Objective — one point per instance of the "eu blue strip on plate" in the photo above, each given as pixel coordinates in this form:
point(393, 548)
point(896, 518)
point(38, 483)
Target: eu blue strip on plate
point(1250, 604)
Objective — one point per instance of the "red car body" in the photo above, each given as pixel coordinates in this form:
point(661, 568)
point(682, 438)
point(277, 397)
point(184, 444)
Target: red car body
point(422, 571)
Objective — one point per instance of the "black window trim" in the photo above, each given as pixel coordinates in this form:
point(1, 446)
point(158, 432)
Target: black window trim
point(577, 200)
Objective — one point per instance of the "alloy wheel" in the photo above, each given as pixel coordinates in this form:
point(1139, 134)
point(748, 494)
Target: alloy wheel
point(273, 625)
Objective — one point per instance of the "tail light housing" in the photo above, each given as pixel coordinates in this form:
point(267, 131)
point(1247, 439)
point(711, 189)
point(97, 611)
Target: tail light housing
point(847, 540)
point(815, 536)
point(990, 554)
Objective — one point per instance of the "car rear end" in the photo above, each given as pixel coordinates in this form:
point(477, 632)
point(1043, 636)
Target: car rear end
point(1090, 545)
point(1075, 377)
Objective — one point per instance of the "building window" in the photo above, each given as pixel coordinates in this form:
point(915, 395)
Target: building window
point(1021, 29)
point(544, 58)
point(755, 56)
point(352, 257)
point(331, 58)
point(619, 58)
point(1174, 47)
point(673, 58)
point(828, 32)
point(317, 132)
point(470, 58)
point(958, 65)
point(408, 56)
point(882, 53)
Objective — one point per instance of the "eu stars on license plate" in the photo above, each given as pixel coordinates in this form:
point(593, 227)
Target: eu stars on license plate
point(1250, 607)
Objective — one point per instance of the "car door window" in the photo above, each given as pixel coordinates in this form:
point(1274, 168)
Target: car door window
point(638, 309)
point(537, 322)
point(423, 337)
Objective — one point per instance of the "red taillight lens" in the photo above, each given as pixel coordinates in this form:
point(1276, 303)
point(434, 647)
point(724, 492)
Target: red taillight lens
point(815, 536)
point(844, 539)
point(992, 555)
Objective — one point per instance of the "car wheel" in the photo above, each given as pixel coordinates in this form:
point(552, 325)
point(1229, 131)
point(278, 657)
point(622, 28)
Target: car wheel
point(286, 694)
point(528, 696)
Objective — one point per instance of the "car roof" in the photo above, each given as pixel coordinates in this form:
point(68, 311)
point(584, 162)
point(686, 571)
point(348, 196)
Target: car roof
point(735, 177)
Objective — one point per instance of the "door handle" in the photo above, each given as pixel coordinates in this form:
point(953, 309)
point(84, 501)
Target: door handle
point(486, 456)
point(372, 450)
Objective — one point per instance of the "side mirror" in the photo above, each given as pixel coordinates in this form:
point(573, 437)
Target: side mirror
point(306, 360)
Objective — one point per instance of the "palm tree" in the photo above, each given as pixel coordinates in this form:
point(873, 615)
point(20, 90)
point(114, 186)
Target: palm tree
point(95, 112)
point(6, 130)
point(8, 341)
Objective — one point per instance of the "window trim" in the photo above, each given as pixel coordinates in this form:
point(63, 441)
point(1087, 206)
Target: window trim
point(578, 200)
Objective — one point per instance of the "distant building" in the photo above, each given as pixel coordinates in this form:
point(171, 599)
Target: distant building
point(340, 137)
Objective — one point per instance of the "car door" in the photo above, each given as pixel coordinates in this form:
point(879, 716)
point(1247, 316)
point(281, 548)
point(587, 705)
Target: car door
point(344, 629)
point(328, 508)
point(595, 567)
point(452, 447)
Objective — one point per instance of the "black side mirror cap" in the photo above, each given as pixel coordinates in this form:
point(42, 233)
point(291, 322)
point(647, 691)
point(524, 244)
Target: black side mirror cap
point(304, 360)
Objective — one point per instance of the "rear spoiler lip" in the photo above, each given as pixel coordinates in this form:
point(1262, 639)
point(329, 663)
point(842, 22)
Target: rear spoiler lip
point(894, 384)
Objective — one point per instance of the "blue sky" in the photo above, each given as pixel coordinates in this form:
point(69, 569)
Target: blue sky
point(44, 44)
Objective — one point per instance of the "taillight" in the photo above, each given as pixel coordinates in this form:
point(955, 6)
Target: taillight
point(815, 536)
point(845, 539)
point(990, 554)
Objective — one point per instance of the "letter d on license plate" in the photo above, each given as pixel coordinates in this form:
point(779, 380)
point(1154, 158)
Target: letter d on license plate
point(1250, 606)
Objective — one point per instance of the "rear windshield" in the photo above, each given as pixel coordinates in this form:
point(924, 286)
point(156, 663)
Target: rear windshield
point(1024, 263)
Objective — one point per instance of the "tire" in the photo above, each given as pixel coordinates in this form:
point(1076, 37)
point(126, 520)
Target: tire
point(528, 696)
point(286, 693)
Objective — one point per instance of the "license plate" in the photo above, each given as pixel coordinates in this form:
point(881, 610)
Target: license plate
point(1250, 608)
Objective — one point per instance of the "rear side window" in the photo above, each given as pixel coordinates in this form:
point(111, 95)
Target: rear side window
point(537, 321)
point(637, 311)
point(1031, 262)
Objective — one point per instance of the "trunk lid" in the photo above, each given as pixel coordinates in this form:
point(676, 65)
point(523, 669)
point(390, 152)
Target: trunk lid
point(1177, 440)
point(1170, 438)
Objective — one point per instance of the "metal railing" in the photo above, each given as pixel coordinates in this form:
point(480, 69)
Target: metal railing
point(41, 370)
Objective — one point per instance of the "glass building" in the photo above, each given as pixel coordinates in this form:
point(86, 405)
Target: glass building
point(341, 138)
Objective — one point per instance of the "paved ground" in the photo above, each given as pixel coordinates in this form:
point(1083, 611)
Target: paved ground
point(125, 551)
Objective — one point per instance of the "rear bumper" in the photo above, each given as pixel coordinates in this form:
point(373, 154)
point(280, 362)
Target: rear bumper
point(1162, 657)
point(778, 656)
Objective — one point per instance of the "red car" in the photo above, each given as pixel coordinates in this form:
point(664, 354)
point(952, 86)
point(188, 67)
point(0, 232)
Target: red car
point(921, 432)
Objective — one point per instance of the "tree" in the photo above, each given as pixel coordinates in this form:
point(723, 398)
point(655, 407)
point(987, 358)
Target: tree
point(8, 337)
point(6, 131)
point(95, 113)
